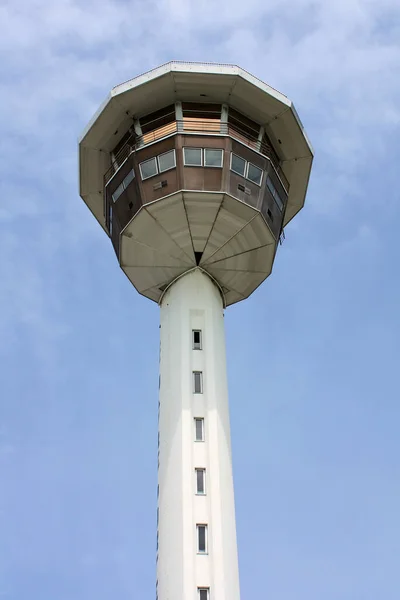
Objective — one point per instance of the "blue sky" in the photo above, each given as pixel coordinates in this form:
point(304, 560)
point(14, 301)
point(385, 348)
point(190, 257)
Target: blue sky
point(313, 355)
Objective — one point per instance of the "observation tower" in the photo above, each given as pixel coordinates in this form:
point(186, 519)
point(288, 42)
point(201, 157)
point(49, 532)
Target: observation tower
point(193, 170)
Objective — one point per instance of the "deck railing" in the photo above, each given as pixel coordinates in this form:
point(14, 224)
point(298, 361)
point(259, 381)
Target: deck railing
point(197, 126)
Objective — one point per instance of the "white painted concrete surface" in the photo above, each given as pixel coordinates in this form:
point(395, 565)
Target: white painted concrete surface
point(194, 302)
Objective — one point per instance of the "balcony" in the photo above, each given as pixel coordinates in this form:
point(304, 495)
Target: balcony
point(195, 126)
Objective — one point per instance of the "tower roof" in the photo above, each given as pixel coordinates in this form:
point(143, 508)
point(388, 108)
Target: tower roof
point(192, 82)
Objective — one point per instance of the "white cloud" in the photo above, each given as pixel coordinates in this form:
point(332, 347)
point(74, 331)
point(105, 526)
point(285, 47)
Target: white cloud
point(60, 59)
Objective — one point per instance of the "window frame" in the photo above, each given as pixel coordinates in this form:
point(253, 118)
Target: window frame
point(198, 526)
point(203, 471)
point(146, 161)
point(200, 344)
point(200, 380)
point(213, 166)
point(163, 154)
point(203, 589)
point(257, 167)
point(274, 193)
point(245, 165)
point(123, 185)
point(203, 436)
point(185, 164)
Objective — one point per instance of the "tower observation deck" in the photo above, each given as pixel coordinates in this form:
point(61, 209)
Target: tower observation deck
point(193, 170)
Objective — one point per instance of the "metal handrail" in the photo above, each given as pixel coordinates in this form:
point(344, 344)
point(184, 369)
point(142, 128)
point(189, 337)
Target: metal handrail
point(193, 125)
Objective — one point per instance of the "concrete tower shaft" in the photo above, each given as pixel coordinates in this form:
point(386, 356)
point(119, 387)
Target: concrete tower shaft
point(195, 465)
point(193, 170)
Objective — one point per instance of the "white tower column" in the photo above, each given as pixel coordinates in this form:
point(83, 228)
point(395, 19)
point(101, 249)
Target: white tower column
point(194, 303)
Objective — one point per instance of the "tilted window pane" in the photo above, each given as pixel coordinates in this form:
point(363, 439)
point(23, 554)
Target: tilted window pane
point(212, 158)
point(238, 165)
point(271, 186)
point(130, 177)
point(192, 157)
point(274, 193)
point(118, 192)
point(166, 161)
point(148, 168)
point(254, 174)
point(199, 423)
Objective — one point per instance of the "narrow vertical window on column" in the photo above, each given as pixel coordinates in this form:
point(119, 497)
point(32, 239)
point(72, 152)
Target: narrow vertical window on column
point(196, 334)
point(200, 481)
point(199, 429)
point(203, 593)
point(201, 539)
point(197, 382)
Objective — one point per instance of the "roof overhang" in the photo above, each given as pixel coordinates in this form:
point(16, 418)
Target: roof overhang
point(194, 82)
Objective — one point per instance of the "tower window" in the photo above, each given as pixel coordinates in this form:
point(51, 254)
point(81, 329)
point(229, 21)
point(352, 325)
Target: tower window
point(199, 430)
point(238, 165)
point(254, 174)
point(196, 339)
point(275, 194)
point(213, 158)
point(197, 382)
point(166, 161)
point(192, 157)
point(203, 593)
point(148, 168)
point(200, 481)
point(123, 186)
point(202, 539)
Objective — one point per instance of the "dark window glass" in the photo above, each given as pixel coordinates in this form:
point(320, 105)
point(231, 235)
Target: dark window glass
point(157, 119)
point(198, 382)
point(238, 165)
point(128, 178)
point(118, 192)
point(274, 193)
point(196, 339)
point(200, 481)
point(254, 174)
point(203, 594)
point(199, 423)
point(202, 538)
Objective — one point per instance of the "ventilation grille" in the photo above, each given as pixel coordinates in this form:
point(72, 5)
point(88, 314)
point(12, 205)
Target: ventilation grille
point(244, 189)
point(160, 184)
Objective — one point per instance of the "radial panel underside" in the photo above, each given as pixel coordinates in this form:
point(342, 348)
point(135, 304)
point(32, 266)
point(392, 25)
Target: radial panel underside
point(225, 237)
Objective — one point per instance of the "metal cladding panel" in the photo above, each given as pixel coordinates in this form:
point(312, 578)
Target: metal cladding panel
point(108, 128)
point(201, 214)
point(232, 217)
point(254, 235)
point(287, 129)
point(145, 229)
point(258, 260)
point(144, 278)
point(92, 166)
point(146, 97)
point(255, 102)
point(171, 215)
point(242, 282)
point(231, 297)
point(136, 254)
